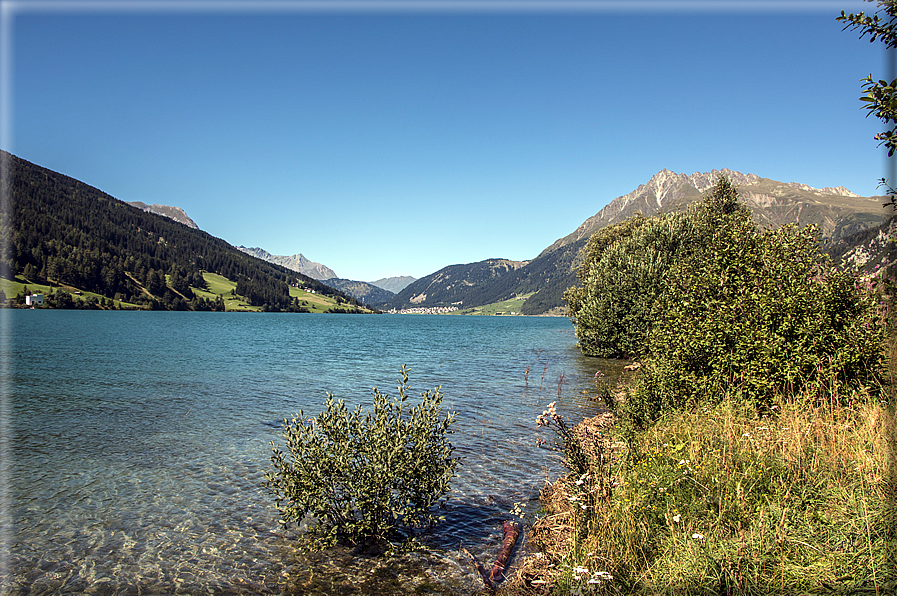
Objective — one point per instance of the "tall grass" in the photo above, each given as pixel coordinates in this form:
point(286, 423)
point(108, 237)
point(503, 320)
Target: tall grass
point(719, 500)
point(720, 496)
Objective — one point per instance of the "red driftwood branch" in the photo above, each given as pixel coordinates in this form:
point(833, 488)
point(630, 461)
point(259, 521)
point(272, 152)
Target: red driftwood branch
point(492, 579)
point(511, 532)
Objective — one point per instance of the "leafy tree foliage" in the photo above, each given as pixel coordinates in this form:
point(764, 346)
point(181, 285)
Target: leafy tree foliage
point(591, 254)
point(755, 314)
point(365, 477)
point(613, 309)
point(625, 268)
point(880, 95)
point(720, 307)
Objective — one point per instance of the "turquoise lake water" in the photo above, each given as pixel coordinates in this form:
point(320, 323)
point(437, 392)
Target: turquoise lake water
point(138, 440)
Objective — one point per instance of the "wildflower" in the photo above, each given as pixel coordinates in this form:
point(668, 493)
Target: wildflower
point(698, 536)
point(578, 570)
point(677, 518)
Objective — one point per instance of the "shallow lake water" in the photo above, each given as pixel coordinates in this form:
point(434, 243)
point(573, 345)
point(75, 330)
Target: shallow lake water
point(137, 442)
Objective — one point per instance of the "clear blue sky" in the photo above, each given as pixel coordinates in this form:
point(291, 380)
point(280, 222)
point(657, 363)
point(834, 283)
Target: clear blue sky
point(383, 139)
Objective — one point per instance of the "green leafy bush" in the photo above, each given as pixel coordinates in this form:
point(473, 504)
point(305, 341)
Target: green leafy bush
point(624, 275)
point(754, 315)
point(365, 477)
point(591, 254)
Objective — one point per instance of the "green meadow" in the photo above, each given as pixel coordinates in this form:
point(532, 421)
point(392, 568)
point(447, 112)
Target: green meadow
point(504, 308)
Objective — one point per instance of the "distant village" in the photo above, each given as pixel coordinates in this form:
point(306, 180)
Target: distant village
point(420, 310)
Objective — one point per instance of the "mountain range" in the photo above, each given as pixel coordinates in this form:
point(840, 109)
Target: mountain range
point(853, 228)
point(855, 231)
point(375, 292)
point(366, 292)
point(394, 284)
point(295, 262)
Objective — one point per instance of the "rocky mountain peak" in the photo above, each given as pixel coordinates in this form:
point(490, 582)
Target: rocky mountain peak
point(175, 213)
point(666, 185)
point(704, 181)
point(296, 262)
point(667, 191)
point(828, 190)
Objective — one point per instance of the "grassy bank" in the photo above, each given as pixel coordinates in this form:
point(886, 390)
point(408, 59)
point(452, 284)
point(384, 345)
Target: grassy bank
point(756, 451)
point(13, 287)
point(721, 500)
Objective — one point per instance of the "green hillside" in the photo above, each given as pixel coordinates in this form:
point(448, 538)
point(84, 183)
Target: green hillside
point(85, 248)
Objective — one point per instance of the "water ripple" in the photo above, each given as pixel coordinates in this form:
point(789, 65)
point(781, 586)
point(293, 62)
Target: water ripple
point(139, 457)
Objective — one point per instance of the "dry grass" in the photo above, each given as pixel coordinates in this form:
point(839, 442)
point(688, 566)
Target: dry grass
point(720, 500)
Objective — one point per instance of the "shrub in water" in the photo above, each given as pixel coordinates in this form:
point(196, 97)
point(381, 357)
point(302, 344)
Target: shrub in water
point(365, 477)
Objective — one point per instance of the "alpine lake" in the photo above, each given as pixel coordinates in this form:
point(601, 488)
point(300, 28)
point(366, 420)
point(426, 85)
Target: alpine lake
point(137, 442)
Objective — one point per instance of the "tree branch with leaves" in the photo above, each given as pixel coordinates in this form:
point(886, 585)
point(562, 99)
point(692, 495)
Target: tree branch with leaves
point(879, 96)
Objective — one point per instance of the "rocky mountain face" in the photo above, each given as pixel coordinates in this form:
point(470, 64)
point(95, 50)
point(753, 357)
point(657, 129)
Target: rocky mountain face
point(175, 213)
point(369, 293)
point(837, 211)
point(851, 227)
point(868, 249)
point(295, 262)
point(394, 284)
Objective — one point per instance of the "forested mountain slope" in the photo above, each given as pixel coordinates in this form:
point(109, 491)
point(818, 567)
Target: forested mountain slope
point(60, 230)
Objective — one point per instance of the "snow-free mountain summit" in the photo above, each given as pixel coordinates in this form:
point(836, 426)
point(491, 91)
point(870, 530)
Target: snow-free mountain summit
point(844, 219)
